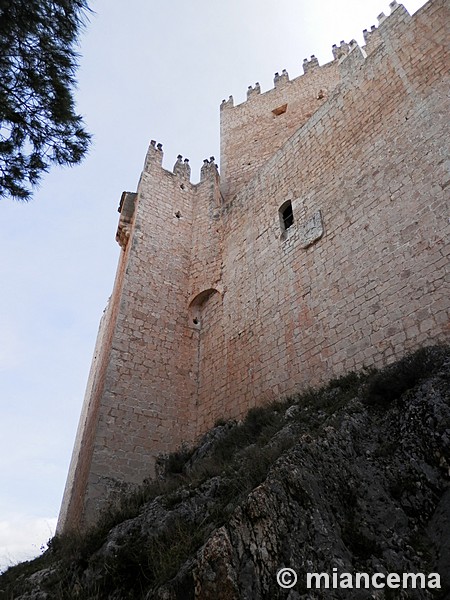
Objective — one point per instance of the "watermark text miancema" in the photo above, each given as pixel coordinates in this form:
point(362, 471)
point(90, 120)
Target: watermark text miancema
point(287, 578)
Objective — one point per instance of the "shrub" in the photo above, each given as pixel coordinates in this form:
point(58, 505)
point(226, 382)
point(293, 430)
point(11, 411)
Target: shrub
point(177, 460)
point(392, 382)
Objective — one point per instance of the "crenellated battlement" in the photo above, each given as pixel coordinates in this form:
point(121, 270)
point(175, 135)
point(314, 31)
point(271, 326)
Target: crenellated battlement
point(181, 167)
point(253, 90)
point(371, 39)
point(369, 34)
point(251, 131)
point(209, 169)
point(309, 65)
point(279, 80)
point(227, 103)
point(341, 50)
point(397, 13)
point(154, 155)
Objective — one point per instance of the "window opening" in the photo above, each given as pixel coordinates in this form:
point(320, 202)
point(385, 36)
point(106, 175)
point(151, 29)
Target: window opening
point(286, 215)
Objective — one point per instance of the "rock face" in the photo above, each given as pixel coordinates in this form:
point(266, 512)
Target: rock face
point(351, 478)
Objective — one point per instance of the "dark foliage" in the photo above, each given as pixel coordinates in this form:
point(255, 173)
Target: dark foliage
point(391, 383)
point(177, 460)
point(38, 123)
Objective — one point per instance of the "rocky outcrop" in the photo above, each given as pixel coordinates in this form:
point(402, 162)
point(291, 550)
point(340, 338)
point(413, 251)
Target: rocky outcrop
point(351, 478)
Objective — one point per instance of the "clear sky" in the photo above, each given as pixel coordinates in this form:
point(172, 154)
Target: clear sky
point(149, 70)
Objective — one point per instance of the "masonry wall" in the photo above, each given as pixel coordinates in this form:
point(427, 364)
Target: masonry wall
point(150, 382)
point(216, 309)
point(374, 161)
point(144, 382)
point(206, 243)
point(142, 396)
point(73, 504)
point(251, 132)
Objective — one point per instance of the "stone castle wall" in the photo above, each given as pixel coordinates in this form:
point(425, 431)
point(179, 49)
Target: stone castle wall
point(251, 132)
point(372, 163)
point(217, 308)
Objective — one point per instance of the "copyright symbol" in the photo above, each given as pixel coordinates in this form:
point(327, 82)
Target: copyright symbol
point(286, 578)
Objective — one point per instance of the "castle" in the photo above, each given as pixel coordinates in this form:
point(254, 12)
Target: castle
point(321, 248)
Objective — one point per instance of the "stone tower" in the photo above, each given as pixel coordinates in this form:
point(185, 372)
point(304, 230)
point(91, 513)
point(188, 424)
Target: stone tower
point(321, 248)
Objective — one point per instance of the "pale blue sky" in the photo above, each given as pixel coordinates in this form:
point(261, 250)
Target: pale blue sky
point(149, 70)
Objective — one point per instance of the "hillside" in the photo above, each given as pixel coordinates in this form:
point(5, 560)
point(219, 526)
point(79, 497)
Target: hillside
point(352, 477)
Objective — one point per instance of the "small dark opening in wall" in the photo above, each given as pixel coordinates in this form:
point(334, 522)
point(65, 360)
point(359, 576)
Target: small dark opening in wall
point(280, 110)
point(286, 215)
point(195, 321)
